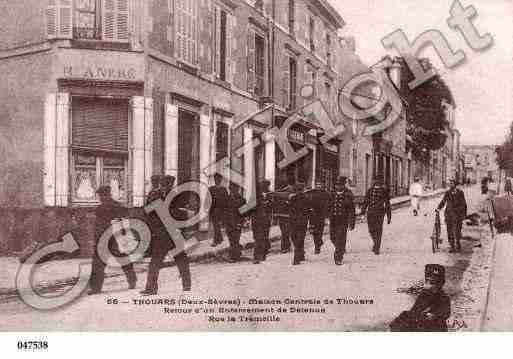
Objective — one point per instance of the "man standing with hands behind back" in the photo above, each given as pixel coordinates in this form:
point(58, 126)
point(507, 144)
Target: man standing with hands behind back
point(377, 204)
point(455, 212)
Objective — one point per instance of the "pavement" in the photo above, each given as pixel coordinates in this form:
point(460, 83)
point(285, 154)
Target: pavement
point(364, 294)
point(65, 270)
point(499, 310)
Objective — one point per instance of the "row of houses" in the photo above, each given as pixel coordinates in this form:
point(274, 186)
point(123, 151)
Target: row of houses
point(113, 91)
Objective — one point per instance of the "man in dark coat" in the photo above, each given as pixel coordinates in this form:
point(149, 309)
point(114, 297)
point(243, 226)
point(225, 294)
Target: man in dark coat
point(284, 220)
point(217, 209)
point(261, 217)
point(319, 201)
point(376, 205)
point(299, 209)
point(431, 309)
point(455, 212)
point(234, 221)
point(162, 243)
point(109, 210)
point(342, 217)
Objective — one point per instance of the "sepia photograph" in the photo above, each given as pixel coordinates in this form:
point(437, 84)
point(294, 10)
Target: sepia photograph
point(255, 166)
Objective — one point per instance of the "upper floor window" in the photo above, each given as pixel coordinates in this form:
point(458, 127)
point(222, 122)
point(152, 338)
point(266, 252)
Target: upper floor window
point(259, 5)
point(186, 29)
point(88, 19)
point(293, 82)
point(311, 33)
point(221, 43)
point(328, 50)
point(255, 63)
point(292, 16)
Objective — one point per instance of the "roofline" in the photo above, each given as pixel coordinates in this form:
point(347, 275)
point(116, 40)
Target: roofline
point(331, 13)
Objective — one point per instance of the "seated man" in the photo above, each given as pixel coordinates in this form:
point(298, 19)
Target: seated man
point(431, 309)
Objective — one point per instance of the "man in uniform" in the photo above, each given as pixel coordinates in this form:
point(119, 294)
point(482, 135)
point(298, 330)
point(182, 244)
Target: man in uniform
point(455, 212)
point(261, 217)
point(432, 307)
point(106, 212)
point(376, 205)
point(342, 217)
point(298, 222)
point(219, 202)
point(234, 221)
point(319, 200)
point(284, 220)
point(162, 243)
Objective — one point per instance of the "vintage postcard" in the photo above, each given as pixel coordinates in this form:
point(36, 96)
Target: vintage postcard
point(272, 165)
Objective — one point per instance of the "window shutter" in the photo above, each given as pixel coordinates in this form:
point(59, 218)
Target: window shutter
point(231, 48)
point(59, 19)
point(285, 87)
point(49, 149)
point(217, 40)
point(62, 142)
point(100, 124)
point(51, 19)
point(65, 19)
point(115, 25)
point(142, 148)
point(171, 140)
point(250, 56)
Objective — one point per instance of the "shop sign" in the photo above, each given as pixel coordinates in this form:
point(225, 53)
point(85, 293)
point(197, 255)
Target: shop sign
point(100, 65)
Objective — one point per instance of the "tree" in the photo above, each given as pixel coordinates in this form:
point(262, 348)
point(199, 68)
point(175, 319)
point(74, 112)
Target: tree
point(426, 115)
point(505, 153)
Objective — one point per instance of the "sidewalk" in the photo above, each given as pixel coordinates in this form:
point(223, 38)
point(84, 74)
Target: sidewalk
point(498, 314)
point(64, 271)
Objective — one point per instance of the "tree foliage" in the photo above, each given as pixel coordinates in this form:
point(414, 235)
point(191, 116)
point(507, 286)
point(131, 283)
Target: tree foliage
point(505, 152)
point(426, 116)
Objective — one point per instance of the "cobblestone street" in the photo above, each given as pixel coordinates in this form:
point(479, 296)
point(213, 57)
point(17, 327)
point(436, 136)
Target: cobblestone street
point(379, 284)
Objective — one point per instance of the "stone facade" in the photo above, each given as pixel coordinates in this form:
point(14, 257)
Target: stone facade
point(186, 72)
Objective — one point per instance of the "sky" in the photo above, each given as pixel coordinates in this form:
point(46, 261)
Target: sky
point(482, 86)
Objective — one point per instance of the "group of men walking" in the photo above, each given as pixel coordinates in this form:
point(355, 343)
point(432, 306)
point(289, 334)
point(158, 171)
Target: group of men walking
point(300, 209)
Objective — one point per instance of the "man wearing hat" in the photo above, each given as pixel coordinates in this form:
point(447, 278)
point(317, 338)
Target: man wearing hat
point(284, 220)
point(162, 243)
point(342, 217)
point(261, 217)
point(298, 222)
point(319, 200)
point(234, 221)
point(432, 307)
point(105, 213)
point(376, 205)
point(455, 212)
point(219, 203)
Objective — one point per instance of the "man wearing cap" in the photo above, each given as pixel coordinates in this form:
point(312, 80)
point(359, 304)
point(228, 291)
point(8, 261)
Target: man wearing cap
point(298, 222)
point(455, 212)
point(376, 205)
point(284, 219)
point(342, 217)
point(219, 203)
point(162, 243)
point(432, 307)
point(234, 221)
point(319, 200)
point(261, 222)
point(105, 213)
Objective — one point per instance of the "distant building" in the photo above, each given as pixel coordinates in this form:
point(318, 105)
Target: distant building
point(480, 161)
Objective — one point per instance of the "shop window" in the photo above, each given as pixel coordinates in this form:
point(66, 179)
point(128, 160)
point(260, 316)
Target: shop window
point(91, 170)
point(222, 140)
point(99, 137)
